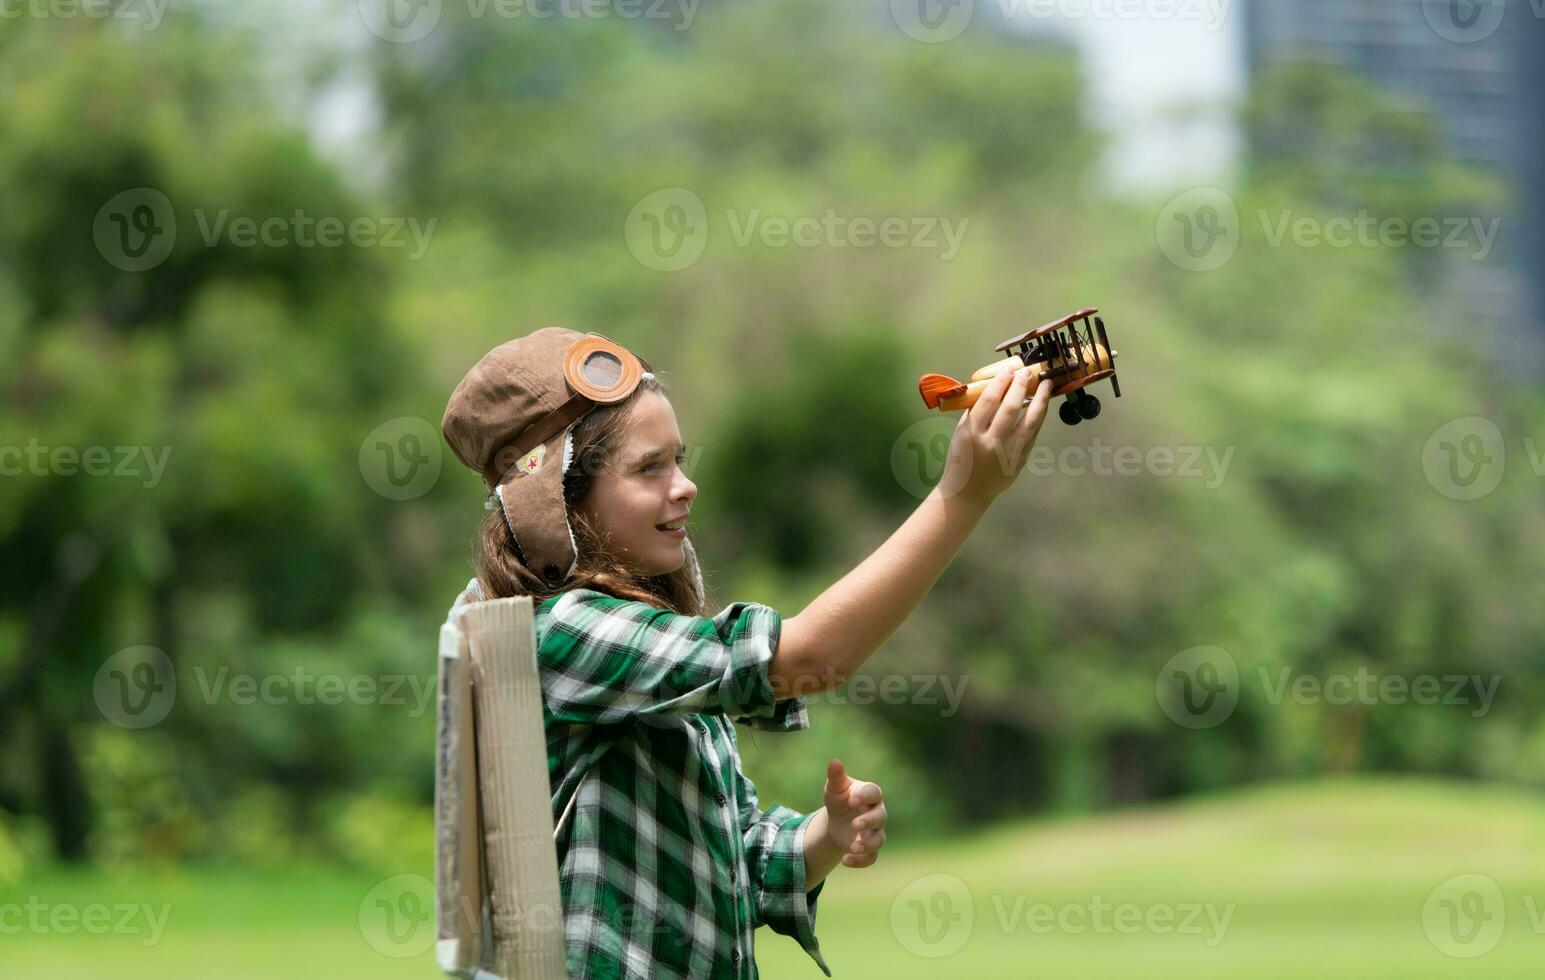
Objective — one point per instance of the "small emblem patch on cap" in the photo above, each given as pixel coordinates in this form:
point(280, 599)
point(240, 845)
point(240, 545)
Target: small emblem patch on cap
point(531, 462)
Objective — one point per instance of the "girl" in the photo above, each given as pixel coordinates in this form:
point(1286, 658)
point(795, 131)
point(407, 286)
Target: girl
point(669, 863)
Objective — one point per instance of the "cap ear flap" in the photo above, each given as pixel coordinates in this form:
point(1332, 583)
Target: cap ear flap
point(533, 507)
point(568, 458)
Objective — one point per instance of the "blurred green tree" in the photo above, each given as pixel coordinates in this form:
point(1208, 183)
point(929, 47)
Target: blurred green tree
point(237, 379)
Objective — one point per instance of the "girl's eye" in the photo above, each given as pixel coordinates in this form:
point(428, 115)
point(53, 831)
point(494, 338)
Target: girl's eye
point(680, 460)
point(660, 466)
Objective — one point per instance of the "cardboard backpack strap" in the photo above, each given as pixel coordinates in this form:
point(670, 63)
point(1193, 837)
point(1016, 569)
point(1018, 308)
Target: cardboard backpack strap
point(570, 807)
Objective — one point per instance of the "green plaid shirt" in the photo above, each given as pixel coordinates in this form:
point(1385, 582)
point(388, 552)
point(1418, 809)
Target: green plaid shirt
point(668, 865)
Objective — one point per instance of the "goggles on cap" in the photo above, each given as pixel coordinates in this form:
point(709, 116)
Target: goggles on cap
point(601, 372)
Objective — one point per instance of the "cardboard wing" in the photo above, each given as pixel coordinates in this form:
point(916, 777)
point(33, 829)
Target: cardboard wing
point(499, 910)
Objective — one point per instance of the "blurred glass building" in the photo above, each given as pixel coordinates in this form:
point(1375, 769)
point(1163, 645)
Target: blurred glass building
point(1477, 64)
point(1454, 60)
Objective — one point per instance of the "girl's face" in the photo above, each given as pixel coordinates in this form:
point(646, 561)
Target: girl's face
point(643, 488)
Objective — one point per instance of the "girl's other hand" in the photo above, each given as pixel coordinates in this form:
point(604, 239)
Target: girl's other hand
point(855, 816)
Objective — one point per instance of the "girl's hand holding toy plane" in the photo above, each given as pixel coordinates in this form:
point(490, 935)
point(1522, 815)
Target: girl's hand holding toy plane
point(992, 441)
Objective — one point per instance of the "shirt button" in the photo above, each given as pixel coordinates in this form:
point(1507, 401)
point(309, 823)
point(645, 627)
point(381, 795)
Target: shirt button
point(735, 956)
point(720, 797)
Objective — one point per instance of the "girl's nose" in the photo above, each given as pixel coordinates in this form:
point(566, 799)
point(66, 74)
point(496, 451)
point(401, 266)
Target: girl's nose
point(686, 490)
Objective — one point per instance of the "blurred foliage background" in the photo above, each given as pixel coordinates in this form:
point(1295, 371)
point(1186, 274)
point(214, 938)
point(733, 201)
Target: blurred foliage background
point(1321, 549)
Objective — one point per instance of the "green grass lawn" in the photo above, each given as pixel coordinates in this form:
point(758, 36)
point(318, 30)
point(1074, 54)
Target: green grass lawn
point(1333, 878)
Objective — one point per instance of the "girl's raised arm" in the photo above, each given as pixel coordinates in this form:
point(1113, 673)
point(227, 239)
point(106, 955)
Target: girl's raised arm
point(823, 645)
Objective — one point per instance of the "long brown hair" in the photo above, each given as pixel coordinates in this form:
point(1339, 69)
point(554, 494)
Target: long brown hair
point(597, 438)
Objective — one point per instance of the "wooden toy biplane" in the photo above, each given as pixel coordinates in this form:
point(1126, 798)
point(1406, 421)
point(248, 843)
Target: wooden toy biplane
point(1071, 351)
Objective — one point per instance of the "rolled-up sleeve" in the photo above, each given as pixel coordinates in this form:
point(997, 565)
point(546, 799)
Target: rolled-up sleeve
point(606, 660)
point(775, 869)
